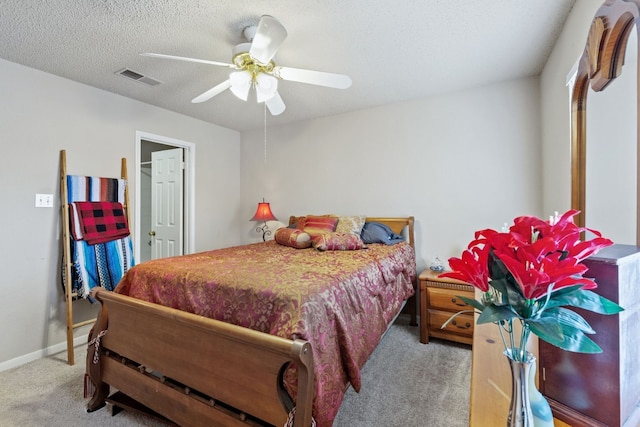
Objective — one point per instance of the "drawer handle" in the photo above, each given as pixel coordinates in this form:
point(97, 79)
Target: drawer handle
point(467, 325)
point(455, 301)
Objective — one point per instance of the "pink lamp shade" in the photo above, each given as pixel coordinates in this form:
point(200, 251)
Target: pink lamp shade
point(263, 213)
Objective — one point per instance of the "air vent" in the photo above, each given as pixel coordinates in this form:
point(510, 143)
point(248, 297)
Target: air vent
point(130, 74)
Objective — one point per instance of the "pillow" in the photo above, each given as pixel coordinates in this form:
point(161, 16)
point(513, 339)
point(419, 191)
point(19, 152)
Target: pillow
point(290, 237)
point(318, 224)
point(337, 242)
point(350, 224)
point(376, 232)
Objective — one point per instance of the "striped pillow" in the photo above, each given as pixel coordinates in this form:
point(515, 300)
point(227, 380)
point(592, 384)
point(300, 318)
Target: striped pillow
point(291, 237)
point(315, 225)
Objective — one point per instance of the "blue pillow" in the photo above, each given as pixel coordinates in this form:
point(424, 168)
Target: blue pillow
point(376, 232)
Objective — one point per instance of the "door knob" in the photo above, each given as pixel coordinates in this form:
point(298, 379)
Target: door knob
point(152, 233)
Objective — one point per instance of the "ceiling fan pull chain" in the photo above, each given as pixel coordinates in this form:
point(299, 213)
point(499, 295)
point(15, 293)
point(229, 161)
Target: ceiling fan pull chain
point(265, 132)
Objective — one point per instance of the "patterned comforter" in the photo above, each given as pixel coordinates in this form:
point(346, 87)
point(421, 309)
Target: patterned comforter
point(339, 301)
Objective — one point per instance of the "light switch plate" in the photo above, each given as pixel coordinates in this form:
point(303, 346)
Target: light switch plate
point(44, 200)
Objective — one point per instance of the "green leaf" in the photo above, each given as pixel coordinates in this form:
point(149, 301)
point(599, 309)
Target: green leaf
point(511, 293)
point(546, 328)
point(564, 296)
point(497, 269)
point(566, 290)
point(472, 302)
point(495, 314)
point(500, 284)
point(580, 343)
point(585, 299)
point(569, 318)
point(569, 338)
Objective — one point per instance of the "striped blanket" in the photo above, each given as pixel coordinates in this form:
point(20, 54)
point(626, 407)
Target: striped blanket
point(100, 264)
point(95, 189)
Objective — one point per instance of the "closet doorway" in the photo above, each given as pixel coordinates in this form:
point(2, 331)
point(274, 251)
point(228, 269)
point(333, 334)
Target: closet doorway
point(164, 202)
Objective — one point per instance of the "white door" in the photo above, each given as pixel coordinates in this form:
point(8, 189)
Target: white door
point(166, 203)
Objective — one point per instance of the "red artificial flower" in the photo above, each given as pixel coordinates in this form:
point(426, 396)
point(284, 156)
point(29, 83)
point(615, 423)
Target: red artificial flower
point(540, 258)
point(539, 253)
point(473, 267)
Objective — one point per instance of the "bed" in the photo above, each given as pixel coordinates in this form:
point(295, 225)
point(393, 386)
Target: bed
point(189, 339)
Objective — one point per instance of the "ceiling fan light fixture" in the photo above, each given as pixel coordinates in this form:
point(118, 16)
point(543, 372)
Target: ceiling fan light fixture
point(254, 66)
point(241, 84)
point(266, 87)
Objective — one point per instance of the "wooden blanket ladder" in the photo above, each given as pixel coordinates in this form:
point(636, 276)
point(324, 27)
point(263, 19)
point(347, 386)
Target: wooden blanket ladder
point(69, 294)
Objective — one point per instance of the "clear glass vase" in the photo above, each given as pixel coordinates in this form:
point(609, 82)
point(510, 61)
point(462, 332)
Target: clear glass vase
point(528, 407)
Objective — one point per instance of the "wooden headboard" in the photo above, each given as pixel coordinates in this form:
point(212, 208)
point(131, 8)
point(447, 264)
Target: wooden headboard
point(397, 224)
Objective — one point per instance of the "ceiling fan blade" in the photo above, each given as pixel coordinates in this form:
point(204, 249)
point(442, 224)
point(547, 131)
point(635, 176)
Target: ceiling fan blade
point(320, 78)
point(212, 92)
point(268, 38)
point(275, 105)
point(183, 58)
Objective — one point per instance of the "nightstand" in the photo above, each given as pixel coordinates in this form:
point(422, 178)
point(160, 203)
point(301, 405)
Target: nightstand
point(438, 302)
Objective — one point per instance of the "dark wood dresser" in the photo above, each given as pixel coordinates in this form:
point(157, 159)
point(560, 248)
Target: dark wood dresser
point(601, 389)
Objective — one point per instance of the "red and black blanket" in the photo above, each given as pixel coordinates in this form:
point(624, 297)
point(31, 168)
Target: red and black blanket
point(100, 222)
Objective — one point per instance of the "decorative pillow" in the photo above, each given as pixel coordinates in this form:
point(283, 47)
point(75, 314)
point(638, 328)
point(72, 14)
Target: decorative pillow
point(318, 224)
point(291, 237)
point(350, 224)
point(337, 242)
point(376, 232)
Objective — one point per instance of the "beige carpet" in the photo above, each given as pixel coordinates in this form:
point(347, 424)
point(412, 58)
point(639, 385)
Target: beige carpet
point(405, 383)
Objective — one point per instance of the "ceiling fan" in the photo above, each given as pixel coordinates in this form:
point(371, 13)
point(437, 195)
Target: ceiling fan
point(254, 68)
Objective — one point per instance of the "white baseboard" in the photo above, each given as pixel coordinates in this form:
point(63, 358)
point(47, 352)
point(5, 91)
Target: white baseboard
point(53, 349)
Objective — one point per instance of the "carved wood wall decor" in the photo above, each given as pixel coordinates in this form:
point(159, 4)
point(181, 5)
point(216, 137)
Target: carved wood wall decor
point(600, 63)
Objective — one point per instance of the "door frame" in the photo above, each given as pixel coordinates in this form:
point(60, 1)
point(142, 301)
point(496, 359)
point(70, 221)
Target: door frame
point(189, 188)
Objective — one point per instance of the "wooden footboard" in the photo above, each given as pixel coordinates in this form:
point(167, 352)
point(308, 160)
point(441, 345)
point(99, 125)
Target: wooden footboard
point(194, 370)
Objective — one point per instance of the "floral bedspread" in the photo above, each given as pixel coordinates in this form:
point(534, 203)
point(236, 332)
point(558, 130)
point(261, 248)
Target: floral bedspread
point(339, 301)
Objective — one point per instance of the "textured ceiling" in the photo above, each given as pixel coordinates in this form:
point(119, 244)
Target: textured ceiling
point(393, 50)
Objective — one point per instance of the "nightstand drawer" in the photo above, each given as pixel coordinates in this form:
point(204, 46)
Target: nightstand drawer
point(447, 299)
point(461, 324)
point(439, 300)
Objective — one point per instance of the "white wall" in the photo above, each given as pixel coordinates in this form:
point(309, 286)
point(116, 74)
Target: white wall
point(40, 114)
point(457, 162)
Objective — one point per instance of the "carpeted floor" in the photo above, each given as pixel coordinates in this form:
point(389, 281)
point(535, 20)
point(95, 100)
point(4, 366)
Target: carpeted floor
point(405, 383)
